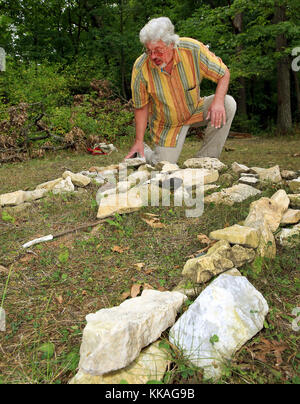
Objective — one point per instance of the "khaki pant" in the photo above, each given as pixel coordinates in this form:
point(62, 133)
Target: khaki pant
point(214, 139)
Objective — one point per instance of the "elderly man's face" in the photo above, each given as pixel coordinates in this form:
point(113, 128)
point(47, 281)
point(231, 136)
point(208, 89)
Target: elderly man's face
point(160, 53)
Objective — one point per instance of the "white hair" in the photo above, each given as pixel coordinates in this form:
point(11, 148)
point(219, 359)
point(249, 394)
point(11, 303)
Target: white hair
point(159, 29)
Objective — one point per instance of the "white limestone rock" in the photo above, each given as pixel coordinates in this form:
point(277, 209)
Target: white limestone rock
point(239, 168)
point(19, 197)
point(288, 175)
point(228, 313)
point(114, 337)
point(234, 194)
point(249, 180)
point(269, 210)
point(34, 195)
point(149, 365)
point(63, 186)
point(12, 198)
point(138, 177)
point(77, 179)
point(291, 216)
point(204, 162)
point(236, 234)
point(268, 174)
point(49, 185)
point(294, 185)
point(193, 177)
point(294, 200)
point(289, 237)
point(134, 162)
point(120, 203)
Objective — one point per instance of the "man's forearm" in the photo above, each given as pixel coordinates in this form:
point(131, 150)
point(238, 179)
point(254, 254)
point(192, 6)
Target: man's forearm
point(141, 121)
point(222, 86)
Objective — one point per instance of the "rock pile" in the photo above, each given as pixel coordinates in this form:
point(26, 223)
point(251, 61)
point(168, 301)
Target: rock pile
point(121, 343)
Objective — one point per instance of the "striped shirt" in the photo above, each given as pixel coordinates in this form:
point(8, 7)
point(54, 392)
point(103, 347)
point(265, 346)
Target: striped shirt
point(174, 98)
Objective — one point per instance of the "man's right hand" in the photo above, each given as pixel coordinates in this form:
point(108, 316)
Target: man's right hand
point(138, 147)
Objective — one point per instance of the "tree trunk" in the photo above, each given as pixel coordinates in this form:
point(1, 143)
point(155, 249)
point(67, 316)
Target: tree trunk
point(242, 92)
point(122, 53)
point(284, 110)
point(297, 90)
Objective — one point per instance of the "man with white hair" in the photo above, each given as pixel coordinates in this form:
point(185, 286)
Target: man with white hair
point(166, 91)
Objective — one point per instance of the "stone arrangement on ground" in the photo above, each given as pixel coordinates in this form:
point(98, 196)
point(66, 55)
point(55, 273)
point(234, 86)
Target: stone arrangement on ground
point(122, 343)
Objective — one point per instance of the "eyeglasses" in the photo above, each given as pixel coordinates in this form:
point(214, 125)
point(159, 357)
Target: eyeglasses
point(157, 51)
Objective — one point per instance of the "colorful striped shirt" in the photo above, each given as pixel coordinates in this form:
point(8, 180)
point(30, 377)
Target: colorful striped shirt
point(174, 98)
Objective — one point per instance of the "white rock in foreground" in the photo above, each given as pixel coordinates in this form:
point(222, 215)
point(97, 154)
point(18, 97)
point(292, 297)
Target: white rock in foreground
point(114, 337)
point(149, 365)
point(228, 313)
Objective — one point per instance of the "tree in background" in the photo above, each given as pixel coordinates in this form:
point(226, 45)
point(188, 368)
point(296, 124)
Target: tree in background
point(86, 39)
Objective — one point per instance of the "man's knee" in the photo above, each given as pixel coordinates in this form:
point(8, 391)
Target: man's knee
point(230, 106)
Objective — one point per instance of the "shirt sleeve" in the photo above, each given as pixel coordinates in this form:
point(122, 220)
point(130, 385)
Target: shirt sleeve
point(211, 66)
point(140, 95)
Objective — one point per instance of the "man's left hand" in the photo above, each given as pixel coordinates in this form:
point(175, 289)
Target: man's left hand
point(216, 113)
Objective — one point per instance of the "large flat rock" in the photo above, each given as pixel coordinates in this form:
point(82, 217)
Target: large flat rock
point(114, 337)
point(228, 313)
point(149, 365)
point(234, 194)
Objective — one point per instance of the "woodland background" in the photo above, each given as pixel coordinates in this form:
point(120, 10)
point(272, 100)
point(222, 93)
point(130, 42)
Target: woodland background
point(68, 66)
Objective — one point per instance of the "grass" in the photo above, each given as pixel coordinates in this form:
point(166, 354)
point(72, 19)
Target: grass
point(49, 289)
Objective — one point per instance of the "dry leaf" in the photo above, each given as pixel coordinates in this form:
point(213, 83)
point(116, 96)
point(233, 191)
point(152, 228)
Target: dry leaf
point(60, 299)
point(150, 214)
point(119, 249)
point(204, 239)
point(124, 295)
point(147, 286)
point(154, 223)
point(139, 265)
point(135, 289)
point(3, 269)
point(26, 258)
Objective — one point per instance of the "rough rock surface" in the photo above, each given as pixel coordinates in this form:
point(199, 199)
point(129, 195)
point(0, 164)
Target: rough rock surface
point(77, 179)
point(202, 269)
point(149, 365)
point(64, 186)
point(289, 237)
point(237, 234)
point(119, 203)
point(114, 337)
point(291, 216)
point(294, 185)
point(229, 196)
point(205, 162)
point(228, 313)
point(268, 174)
point(269, 210)
point(239, 168)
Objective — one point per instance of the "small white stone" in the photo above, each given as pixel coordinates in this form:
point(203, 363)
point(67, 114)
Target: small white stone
point(204, 162)
point(239, 168)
